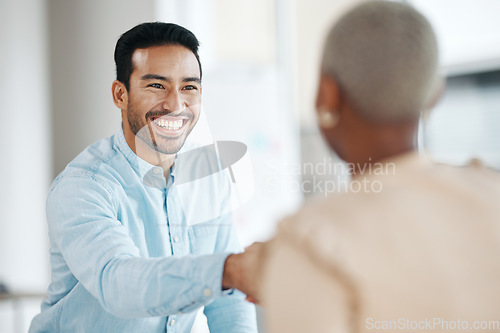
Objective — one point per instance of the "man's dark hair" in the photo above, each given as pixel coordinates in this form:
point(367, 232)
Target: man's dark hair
point(146, 35)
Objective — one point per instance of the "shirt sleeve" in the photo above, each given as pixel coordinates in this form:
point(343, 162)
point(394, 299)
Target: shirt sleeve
point(231, 313)
point(84, 226)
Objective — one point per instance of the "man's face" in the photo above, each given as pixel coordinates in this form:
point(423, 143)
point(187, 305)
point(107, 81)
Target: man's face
point(164, 97)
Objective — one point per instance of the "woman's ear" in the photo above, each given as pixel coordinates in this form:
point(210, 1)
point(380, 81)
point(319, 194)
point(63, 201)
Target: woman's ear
point(120, 95)
point(328, 96)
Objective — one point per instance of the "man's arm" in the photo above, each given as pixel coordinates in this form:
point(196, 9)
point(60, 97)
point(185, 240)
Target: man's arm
point(84, 227)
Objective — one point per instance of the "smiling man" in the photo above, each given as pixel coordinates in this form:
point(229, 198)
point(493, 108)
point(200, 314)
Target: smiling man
point(124, 256)
point(160, 103)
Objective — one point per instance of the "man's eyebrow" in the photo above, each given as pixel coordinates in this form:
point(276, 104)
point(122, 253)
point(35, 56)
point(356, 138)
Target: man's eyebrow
point(167, 79)
point(155, 77)
point(191, 79)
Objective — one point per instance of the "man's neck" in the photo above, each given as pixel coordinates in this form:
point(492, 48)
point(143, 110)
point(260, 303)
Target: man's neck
point(150, 155)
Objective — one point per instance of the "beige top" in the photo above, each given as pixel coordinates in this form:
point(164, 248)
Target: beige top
point(423, 253)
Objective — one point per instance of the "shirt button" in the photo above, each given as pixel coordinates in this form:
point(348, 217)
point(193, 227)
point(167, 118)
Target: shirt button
point(207, 292)
point(176, 239)
point(172, 322)
point(156, 171)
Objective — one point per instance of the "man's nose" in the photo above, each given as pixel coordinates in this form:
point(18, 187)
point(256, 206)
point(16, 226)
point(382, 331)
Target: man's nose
point(173, 101)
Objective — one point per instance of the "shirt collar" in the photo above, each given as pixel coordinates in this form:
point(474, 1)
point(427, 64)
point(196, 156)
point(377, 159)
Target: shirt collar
point(152, 175)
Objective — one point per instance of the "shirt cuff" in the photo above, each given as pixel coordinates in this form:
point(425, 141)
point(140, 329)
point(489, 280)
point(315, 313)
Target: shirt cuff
point(208, 274)
point(211, 273)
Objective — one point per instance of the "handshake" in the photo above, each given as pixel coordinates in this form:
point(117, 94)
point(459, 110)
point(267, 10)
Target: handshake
point(242, 271)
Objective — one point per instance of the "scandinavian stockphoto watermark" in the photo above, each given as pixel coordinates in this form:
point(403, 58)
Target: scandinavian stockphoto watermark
point(210, 178)
point(431, 324)
point(327, 176)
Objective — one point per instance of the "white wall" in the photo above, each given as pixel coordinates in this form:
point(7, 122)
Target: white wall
point(25, 149)
point(311, 22)
point(467, 33)
point(25, 156)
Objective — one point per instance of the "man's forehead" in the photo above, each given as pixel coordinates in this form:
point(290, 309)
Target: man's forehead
point(140, 56)
point(172, 55)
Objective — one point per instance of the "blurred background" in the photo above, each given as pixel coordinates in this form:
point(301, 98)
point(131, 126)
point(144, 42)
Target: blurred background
point(260, 60)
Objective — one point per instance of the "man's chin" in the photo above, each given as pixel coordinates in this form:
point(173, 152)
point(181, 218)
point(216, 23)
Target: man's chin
point(168, 151)
point(169, 148)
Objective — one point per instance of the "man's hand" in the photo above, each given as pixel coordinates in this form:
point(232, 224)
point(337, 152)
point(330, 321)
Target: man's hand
point(242, 271)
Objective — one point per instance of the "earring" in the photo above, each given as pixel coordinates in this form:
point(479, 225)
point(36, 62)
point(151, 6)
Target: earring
point(327, 118)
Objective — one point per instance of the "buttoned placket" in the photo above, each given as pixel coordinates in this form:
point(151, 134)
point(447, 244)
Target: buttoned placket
point(178, 243)
point(176, 226)
point(171, 326)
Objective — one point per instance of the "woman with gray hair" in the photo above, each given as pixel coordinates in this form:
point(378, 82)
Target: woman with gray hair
point(419, 251)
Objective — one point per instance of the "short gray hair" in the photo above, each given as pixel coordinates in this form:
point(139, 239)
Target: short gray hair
point(384, 56)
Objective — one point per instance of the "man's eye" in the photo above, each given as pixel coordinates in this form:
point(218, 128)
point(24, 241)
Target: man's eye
point(190, 87)
point(156, 85)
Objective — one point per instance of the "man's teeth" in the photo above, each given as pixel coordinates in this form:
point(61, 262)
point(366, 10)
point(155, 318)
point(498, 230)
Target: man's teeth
point(170, 125)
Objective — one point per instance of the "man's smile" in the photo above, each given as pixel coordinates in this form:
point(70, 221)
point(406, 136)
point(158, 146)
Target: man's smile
point(171, 126)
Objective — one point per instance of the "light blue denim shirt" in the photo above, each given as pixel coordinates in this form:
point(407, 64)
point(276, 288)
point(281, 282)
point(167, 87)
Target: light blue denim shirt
point(131, 251)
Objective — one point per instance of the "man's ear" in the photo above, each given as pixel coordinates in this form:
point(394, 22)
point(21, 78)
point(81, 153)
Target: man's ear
point(328, 93)
point(120, 95)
